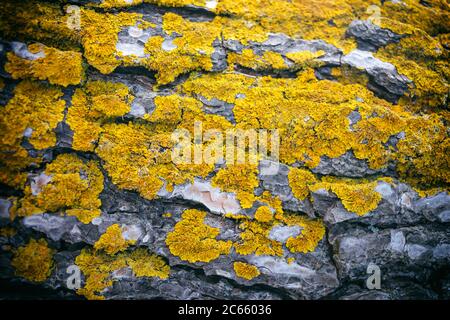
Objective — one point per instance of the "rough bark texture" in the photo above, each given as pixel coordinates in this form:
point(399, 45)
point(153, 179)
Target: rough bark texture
point(91, 92)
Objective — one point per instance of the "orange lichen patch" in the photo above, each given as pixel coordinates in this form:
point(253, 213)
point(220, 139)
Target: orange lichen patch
point(422, 54)
point(35, 108)
point(254, 239)
point(34, 261)
point(97, 268)
point(359, 197)
point(72, 185)
point(264, 214)
point(311, 234)
point(245, 270)
point(58, 67)
point(239, 178)
point(94, 104)
point(299, 181)
point(112, 240)
point(129, 152)
point(248, 59)
point(144, 264)
point(194, 241)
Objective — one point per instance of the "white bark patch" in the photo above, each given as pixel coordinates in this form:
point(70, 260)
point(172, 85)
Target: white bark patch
point(38, 182)
point(282, 233)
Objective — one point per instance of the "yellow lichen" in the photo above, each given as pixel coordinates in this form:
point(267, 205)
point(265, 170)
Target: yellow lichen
point(37, 108)
point(312, 231)
point(112, 241)
point(264, 214)
point(99, 34)
point(69, 184)
point(245, 270)
point(357, 197)
point(34, 261)
point(58, 67)
point(194, 241)
point(97, 267)
point(254, 239)
point(305, 58)
point(93, 105)
point(144, 264)
point(225, 87)
point(248, 59)
point(239, 178)
point(299, 181)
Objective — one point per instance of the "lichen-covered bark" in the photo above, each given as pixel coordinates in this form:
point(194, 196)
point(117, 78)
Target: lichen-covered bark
point(90, 96)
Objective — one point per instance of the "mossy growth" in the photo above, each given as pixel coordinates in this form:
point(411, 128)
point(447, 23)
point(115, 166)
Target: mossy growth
point(194, 241)
point(70, 186)
point(33, 261)
point(92, 105)
point(32, 113)
point(58, 67)
point(97, 268)
point(112, 241)
point(245, 270)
